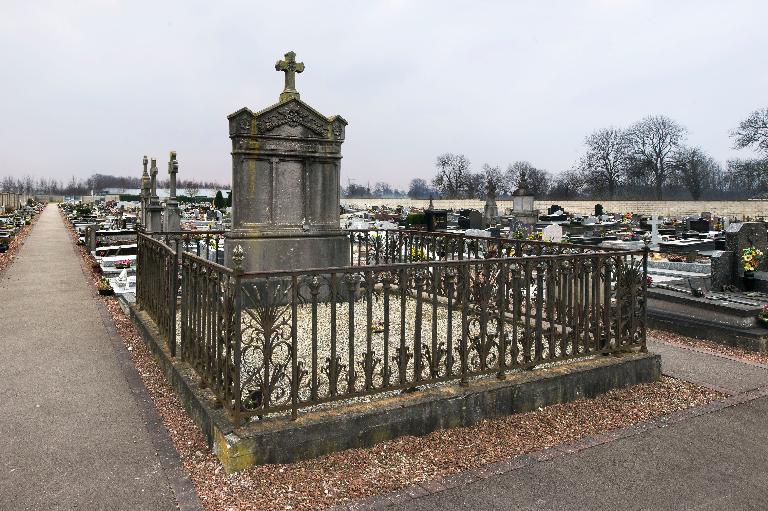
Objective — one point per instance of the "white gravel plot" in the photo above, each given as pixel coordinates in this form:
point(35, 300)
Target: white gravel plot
point(280, 357)
point(253, 359)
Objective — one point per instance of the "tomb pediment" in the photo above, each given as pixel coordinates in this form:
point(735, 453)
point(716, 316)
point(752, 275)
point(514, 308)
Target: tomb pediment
point(288, 119)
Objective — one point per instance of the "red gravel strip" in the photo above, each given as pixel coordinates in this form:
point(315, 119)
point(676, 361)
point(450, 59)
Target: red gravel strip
point(713, 347)
point(6, 258)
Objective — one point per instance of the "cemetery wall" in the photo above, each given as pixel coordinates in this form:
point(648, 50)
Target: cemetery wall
point(732, 209)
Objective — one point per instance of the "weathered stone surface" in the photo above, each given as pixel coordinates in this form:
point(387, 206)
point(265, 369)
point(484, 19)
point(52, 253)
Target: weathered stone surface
point(286, 186)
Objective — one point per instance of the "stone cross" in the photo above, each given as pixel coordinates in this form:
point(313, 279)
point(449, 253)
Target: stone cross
point(290, 67)
point(655, 230)
point(173, 169)
point(145, 178)
point(153, 173)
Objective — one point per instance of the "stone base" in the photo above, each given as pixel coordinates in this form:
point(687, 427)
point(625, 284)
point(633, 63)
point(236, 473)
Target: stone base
point(732, 324)
point(172, 219)
point(289, 253)
point(281, 440)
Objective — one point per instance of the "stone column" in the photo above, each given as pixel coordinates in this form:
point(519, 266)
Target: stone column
point(172, 214)
point(155, 209)
point(145, 184)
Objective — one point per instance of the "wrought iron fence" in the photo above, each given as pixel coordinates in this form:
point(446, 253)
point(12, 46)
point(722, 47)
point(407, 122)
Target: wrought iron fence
point(368, 246)
point(278, 342)
point(157, 285)
point(206, 244)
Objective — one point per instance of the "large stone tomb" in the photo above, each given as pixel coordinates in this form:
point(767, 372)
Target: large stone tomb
point(286, 184)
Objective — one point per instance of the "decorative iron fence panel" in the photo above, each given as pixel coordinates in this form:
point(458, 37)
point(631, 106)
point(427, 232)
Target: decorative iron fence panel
point(157, 285)
point(386, 246)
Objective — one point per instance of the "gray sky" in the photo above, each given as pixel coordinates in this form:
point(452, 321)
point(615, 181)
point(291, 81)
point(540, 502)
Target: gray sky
point(91, 86)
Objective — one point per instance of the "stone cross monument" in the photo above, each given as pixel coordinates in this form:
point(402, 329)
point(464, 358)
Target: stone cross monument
point(155, 209)
point(290, 67)
point(286, 183)
point(172, 214)
point(144, 193)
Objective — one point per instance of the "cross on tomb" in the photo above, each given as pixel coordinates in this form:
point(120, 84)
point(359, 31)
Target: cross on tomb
point(290, 67)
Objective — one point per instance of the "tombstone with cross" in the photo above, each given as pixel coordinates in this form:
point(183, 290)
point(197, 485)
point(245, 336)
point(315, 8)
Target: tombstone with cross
point(286, 186)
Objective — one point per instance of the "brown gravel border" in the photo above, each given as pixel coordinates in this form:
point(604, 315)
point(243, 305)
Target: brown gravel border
point(711, 348)
point(409, 467)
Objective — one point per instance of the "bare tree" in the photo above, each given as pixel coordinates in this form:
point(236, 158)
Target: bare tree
point(605, 161)
point(493, 180)
point(8, 184)
point(191, 191)
point(753, 132)
point(695, 170)
point(653, 142)
point(418, 189)
point(539, 180)
point(453, 175)
point(567, 185)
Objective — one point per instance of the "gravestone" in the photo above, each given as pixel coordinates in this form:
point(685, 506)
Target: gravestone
point(491, 210)
point(145, 193)
point(743, 235)
point(154, 209)
point(727, 268)
point(286, 190)
point(553, 233)
point(523, 202)
point(437, 219)
point(172, 213)
point(470, 219)
point(655, 238)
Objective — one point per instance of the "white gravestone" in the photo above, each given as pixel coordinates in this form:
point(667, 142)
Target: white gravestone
point(552, 233)
point(655, 239)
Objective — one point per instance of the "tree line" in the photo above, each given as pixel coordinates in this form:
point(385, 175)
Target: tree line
point(649, 159)
point(96, 183)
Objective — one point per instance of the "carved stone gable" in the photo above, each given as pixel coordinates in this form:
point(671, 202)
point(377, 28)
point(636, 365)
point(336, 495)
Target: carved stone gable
point(293, 114)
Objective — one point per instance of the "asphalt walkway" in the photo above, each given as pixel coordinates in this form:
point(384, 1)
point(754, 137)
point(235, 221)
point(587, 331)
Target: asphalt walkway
point(72, 432)
point(712, 461)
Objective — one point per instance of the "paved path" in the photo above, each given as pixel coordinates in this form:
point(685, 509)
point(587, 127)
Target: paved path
point(713, 461)
point(72, 434)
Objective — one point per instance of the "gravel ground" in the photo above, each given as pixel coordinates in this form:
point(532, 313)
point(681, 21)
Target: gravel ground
point(6, 258)
point(731, 351)
point(358, 473)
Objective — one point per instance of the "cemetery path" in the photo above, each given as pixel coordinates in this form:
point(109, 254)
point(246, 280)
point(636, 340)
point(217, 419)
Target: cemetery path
point(72, 434)
point(713, 461)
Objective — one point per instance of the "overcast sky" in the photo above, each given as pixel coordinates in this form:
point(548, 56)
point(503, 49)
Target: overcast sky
point(91, 86)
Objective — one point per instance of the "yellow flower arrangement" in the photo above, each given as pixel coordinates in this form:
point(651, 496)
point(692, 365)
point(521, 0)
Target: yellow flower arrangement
point(750, 258)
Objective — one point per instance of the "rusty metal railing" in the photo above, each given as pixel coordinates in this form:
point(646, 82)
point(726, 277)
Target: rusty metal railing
point(370, 246)
point(279, 342)
point(157, 285)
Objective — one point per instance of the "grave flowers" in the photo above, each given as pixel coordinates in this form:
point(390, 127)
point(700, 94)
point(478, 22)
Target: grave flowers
point(125, 263)
point(104, 287)
point(750, 261)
